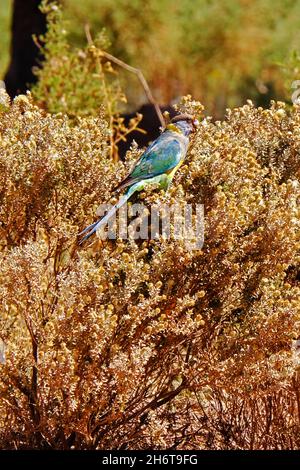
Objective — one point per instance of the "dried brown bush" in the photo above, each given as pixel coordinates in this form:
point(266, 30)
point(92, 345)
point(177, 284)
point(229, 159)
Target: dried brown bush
point(126, 345)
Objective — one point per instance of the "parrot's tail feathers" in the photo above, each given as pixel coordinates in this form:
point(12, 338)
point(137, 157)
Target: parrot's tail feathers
point(89, 227)
point(89, 231)
point(103, 220)
point(128, 181)
point(84, 239)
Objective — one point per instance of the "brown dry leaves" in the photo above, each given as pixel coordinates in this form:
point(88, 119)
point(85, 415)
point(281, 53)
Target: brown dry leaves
point(149, 345)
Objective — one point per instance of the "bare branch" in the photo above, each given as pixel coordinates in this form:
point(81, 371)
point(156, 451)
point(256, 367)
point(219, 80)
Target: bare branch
point(134, 70)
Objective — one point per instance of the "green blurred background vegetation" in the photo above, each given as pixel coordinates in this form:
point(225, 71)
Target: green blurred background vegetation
point(220, 52)
point(5, 14)
point(197, 349)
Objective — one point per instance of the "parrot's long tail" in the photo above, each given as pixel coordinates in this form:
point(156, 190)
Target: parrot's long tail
point(103, 220)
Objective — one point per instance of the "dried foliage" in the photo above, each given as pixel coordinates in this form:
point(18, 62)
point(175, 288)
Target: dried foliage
point(134, 345)
point(79, 81)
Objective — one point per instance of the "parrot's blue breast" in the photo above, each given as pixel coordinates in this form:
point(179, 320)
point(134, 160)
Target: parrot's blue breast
point(162, 156)
point(157, 165)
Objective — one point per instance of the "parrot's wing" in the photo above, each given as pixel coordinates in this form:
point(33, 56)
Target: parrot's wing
point(160, 157)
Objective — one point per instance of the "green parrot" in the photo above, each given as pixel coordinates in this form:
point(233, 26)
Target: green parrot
point(157, 164)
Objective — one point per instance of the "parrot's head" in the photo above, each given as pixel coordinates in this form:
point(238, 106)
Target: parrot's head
point(183, 123)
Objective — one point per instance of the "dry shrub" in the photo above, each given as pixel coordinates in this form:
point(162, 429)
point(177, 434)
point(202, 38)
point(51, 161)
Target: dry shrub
point(134, 345)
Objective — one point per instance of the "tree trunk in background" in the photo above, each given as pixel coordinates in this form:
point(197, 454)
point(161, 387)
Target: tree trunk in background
point(27, 20)
point(150, 123)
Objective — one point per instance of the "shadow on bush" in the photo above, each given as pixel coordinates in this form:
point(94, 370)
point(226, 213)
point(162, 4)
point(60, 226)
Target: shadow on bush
point(127, 345)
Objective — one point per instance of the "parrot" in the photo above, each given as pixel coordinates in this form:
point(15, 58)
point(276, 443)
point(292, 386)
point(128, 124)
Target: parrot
point(157, 165)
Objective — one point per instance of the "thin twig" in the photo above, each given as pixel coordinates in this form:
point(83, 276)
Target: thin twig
point(134, 70)
point(143, 81)
point(108, 103)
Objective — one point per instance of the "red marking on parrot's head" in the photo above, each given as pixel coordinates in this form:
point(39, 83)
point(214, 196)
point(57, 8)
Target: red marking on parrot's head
point(186, 117)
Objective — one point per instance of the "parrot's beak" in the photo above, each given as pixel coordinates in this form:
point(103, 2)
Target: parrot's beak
point(196, 123)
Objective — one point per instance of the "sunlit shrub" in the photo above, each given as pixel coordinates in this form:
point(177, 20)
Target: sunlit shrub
point(79, 81)
point(134, 345)
point(222, 52)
